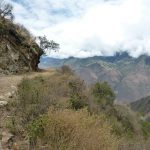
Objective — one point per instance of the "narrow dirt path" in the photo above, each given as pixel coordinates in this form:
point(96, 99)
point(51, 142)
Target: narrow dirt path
point(7, 83)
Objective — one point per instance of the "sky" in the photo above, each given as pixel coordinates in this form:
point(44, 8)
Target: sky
point(86, 28)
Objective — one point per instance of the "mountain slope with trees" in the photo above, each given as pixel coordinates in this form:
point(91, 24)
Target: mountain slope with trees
point(142, 106)
point(60, 112)
point(129, 77)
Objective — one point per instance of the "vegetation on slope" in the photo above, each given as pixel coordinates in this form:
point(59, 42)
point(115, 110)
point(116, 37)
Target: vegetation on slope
point(129, 77)
point(60, 112)
point(142, 105)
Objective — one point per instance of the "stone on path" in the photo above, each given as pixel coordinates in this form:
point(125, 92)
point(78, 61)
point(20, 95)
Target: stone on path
point(7, 140)
point(3, 103)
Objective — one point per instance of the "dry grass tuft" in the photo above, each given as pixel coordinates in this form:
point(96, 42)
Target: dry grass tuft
point(72, 130)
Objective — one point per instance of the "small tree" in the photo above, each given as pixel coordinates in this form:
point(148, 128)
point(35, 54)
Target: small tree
point(47, 45)
point(66, 70)
point(6, 11)
point(77, 99)
point(103, 93)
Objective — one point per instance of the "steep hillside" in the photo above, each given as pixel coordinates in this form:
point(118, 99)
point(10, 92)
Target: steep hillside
point(129, 77)
point(18, 49)
point(142, 106)
point(57, 111)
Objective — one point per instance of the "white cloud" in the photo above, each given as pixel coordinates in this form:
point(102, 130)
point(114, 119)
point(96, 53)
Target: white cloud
point(86, 28)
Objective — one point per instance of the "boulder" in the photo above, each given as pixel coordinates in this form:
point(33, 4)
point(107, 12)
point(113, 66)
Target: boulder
point(7, 140)
point(3, 103)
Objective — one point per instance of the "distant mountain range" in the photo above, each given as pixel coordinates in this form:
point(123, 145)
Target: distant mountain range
point(128, 76)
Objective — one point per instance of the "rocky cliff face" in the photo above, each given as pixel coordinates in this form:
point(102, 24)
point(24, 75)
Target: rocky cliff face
point(18, 50)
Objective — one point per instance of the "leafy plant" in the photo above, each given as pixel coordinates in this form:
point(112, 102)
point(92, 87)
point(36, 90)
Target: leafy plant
point(103, 93)
point(146, 128)
point(77, 98)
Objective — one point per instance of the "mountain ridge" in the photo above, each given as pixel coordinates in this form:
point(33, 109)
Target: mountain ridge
point(128, 76)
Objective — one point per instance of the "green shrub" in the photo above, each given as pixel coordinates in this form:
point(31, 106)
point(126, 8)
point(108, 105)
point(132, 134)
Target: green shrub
point(77, 99)
point(103, 94)
point(146, 128)
point(36, 129)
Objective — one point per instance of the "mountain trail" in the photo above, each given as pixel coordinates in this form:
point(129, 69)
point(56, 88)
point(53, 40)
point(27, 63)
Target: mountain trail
point(8, 89)
point(9, 83)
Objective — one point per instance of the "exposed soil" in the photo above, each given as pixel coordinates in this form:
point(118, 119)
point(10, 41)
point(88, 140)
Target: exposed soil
point(8, 82)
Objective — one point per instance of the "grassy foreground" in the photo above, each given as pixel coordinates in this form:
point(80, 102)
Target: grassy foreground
point(59, 112)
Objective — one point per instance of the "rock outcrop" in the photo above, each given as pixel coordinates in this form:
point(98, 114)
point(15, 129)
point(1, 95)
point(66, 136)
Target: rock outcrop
point(18, 49)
